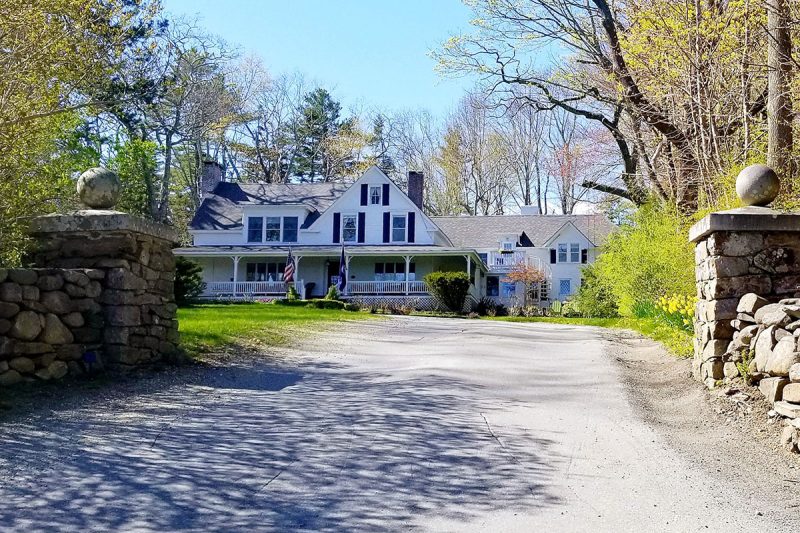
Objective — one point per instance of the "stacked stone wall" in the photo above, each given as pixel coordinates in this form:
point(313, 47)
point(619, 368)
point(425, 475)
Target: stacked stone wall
point(730, 264)
point(100, 295)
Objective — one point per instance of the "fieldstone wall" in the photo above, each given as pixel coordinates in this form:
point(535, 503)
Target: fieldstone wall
point(750, 250)
point(747, 320)
point(101, 295)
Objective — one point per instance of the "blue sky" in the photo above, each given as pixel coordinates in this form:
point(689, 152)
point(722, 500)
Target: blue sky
point(367, 52)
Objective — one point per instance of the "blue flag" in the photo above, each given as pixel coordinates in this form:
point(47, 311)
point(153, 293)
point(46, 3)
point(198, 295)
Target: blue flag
point(342, 273)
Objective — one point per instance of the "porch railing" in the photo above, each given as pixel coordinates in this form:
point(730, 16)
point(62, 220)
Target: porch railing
point(266, 288)
point(500, 261)
point(387, 287)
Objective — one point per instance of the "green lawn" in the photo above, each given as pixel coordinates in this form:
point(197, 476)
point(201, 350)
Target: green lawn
point(207, 327)
point(677, 341)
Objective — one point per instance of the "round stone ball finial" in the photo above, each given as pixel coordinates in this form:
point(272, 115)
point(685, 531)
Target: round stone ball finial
point(757, 185)
point(99, 188)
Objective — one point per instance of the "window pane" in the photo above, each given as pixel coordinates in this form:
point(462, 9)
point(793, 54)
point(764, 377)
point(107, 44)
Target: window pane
point(379, 268)
point(349, 225)
point(251, 272)
point(575, 252)
point(389, 268)
point(562, 253)
point(564, 287)
point(254, 227)
point(398, 228)
point(375, 195)
point(289, 229)
point(507, 246)
point(273, 229)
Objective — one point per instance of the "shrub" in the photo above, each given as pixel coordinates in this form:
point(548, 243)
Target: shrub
point(595, 297)
point(292, 293)
point(333, 293)
point(450, 288)
point(486, 306)
point(189, 282)
point(352, 307)
point(648, 258)
point(326, 304)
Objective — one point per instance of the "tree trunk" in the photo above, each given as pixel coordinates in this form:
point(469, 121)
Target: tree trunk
point(779, 104)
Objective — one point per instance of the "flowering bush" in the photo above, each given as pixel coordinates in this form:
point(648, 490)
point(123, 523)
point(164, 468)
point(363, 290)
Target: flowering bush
point(677, 309)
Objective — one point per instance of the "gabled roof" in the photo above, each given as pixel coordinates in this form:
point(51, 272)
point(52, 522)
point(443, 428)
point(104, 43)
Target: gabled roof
point(531, 230)
point(222, 210)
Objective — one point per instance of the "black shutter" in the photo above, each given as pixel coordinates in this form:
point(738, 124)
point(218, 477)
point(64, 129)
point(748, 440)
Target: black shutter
point(386, 226)
point(337, 221)
point(552, 256)
point(411, 226)
point(385, 194)
point(584, 256)
point(362, 217)
point(364, 193)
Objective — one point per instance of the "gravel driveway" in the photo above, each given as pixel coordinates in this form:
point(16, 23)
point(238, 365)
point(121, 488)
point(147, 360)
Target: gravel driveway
point(412, 424)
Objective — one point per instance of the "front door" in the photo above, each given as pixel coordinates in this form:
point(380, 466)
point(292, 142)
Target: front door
point(333, 274)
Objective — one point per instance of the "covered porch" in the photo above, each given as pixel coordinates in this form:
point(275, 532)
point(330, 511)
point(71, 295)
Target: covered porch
point(245, 272)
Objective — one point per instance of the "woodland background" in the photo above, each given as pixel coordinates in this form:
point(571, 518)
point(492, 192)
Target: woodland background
point(641, 109)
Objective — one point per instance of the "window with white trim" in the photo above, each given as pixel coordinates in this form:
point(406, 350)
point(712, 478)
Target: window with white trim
point(574, 252)
point(569, 252)
point(375, 195)
point(273, 229)
point(508, 246)
point(564, 287)
point(255, 229)
point(398, 228)
point(290, 229)
point(264, 271)
point(349, 228)
point(395, 271)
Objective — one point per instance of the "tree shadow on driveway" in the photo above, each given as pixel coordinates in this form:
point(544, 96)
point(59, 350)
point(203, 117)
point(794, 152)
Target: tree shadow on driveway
point(257, 447)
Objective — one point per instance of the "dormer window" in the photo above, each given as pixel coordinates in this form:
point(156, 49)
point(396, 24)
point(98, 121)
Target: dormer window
point(375, 195)
point(508, 246)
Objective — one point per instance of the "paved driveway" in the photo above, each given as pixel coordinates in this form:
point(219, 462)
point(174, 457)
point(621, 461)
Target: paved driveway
point(405, 424)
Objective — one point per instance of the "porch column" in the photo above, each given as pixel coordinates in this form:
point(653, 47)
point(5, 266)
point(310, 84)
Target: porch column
point(236, 260)
point(469, 268)
point(408, 267)
point(347, 259)
point(297, 259)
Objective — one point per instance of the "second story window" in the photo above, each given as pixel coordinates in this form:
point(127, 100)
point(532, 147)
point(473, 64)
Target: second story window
point(562, 252)
point(273, 233)
point(255, 229)
point(569, 252)
point(375, 195)
point(349, 228)
point(574, 252)
point(289, 229)
point(508, 246)
point(398, 228)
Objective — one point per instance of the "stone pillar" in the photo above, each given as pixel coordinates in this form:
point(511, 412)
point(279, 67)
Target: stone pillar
point(137, 297)
point(751, 249)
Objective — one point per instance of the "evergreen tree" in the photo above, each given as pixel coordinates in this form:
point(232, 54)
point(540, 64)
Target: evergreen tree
point(319, 122)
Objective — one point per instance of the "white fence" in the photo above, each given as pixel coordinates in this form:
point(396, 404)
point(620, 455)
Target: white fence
point(387, 287)
point(250, 288)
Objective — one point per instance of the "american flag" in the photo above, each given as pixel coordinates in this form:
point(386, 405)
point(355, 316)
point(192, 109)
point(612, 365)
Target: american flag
point(288, 272)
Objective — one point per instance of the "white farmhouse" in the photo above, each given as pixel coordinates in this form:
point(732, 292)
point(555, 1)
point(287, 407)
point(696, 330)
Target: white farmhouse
point(243, 233)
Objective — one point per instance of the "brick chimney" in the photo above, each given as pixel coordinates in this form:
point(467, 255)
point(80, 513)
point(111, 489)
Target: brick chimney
point(212, 174)
point(416, 188)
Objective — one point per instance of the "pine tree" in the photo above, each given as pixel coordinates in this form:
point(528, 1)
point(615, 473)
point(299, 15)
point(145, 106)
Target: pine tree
point(319, 122)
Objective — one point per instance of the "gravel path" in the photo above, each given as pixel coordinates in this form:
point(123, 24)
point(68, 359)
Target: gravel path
point(413, 424)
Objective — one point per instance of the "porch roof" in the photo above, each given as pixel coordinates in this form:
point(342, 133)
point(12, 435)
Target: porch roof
point(325, 251)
